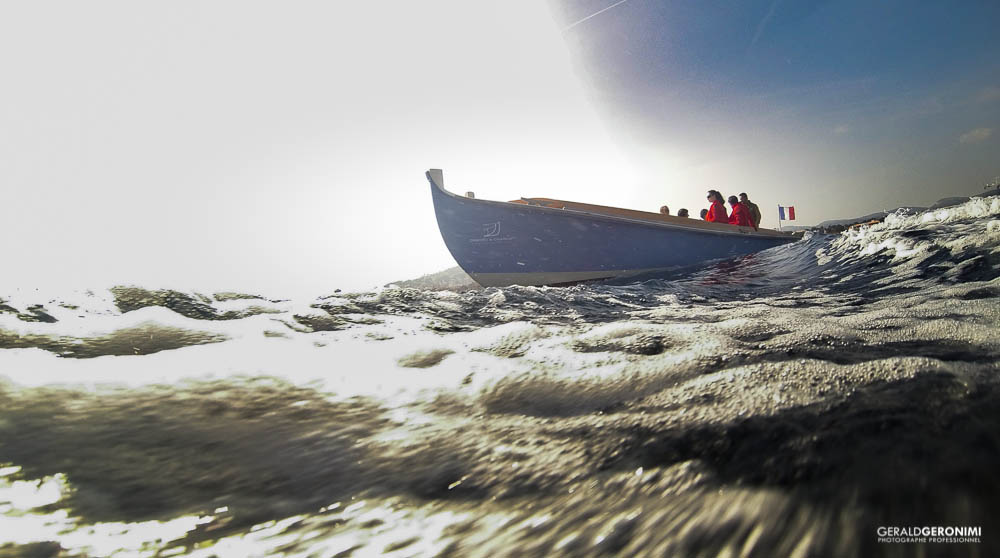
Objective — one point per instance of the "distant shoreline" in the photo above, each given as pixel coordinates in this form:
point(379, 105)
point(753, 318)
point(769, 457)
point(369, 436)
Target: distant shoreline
point(451, 279)
point(839, 225)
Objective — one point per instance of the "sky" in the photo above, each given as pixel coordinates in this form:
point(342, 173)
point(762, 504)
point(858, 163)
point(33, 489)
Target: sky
point(838, 108)
point(280, 148)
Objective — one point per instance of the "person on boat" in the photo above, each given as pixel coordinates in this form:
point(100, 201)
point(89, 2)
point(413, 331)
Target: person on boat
point(682, 212)
point(717, 213)
point(754, 210)
point(664, 210)
point(704, 212)
point(741, 215)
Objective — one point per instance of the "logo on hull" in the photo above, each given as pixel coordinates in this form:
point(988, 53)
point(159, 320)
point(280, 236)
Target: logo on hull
point(491, 233)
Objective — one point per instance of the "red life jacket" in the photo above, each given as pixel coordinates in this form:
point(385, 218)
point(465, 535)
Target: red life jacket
point(741, 216)
point(717, 213)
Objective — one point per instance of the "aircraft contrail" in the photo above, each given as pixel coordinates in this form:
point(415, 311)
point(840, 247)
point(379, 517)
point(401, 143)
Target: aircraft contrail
point(763, 22)
point(578, 22)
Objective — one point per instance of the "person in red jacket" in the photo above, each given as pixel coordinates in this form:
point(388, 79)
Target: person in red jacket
point(741, 214)
point(716, 213)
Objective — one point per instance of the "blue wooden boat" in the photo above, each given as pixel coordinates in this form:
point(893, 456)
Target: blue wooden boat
point(541, 241)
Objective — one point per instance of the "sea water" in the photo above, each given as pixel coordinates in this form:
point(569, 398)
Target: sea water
point(794, 402)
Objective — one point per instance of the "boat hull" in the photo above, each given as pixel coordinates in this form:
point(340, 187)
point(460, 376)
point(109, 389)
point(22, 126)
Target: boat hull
point(503, 243)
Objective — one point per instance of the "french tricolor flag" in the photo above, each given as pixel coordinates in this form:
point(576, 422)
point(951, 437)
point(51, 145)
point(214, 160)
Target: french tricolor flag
point(791, 213)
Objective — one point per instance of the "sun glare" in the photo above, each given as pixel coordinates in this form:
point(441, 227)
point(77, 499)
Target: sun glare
point(282, 150)
point(486, 92)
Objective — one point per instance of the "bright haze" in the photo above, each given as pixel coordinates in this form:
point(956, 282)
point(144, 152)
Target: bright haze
point(280, 147)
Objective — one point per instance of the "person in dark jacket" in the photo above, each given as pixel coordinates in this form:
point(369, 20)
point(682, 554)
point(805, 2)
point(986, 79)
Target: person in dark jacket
point(740, 215)
point(717, 212)
point(754, 210)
